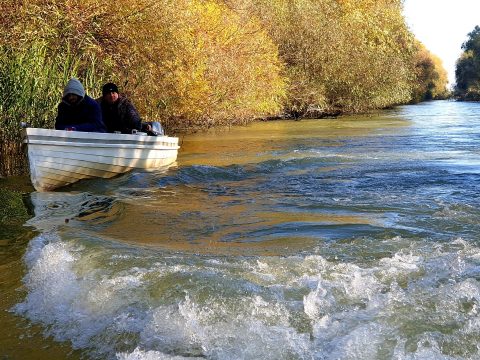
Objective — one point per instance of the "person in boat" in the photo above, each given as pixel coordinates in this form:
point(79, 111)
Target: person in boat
point(78, 111)
point(120, 115)
point(118, 112)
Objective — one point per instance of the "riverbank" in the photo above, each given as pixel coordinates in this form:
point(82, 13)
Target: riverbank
point(209, 63)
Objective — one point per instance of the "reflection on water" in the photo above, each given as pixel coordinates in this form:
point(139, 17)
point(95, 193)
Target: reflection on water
point(350, 238)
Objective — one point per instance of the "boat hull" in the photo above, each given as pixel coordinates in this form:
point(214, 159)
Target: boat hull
point(58, 158)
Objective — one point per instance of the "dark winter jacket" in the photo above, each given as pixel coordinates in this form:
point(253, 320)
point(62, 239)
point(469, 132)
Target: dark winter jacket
point(84, 116)
point(120, 116)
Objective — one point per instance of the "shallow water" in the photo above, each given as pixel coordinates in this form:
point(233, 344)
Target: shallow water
point(350, 238)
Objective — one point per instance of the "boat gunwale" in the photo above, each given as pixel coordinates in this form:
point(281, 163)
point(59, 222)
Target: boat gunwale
point(69, 135)
point(152, 146)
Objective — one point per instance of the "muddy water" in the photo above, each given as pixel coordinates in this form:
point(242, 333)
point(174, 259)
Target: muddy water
point(350, 238)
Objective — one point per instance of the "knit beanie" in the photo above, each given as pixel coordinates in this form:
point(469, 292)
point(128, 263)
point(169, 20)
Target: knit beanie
point(108, 88)
point(74, 87)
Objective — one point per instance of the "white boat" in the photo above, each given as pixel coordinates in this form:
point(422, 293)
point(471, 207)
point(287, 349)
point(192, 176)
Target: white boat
point(58, 157)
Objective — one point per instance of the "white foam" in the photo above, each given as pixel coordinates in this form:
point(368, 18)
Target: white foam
point(103, 300)
point(427, 349)
point(139, 354)
point(74, 307)
point(361, 342)
point(259, 331)
point(317, 304)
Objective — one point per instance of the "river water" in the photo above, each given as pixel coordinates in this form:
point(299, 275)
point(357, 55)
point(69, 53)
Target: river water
point(349, 238)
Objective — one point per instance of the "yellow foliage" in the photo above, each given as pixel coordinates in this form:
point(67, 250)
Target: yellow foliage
point(339, 54)
point(197, 63)
point(190, 62)
point(431, 77)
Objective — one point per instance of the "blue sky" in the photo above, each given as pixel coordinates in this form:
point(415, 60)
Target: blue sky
point(442, 26)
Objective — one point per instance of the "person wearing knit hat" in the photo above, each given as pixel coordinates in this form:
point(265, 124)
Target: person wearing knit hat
point(119, 114)
point(77, 111)
point(75, 87)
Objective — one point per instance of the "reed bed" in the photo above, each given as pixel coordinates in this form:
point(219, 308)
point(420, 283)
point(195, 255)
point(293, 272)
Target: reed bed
point(31, 84)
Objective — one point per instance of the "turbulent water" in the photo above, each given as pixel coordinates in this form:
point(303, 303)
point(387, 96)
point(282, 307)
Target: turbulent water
point(349, 238)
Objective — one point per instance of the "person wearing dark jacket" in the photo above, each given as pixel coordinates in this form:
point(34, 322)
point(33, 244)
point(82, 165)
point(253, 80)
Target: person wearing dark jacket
point(118, 112)
point(78, 111)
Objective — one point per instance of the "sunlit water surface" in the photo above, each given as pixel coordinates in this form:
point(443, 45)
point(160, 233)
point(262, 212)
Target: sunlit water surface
point(349, 238)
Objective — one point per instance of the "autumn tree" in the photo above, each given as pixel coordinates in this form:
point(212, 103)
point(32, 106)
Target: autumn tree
point(431, 77)
point(340, 55)
point(467, 71)
point(189, 63)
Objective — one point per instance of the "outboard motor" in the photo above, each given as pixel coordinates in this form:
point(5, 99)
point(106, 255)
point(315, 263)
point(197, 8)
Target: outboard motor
point(157, 129)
